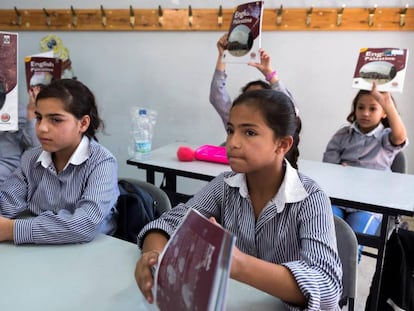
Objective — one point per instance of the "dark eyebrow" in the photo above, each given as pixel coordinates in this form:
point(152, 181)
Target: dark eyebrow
point(50, 115)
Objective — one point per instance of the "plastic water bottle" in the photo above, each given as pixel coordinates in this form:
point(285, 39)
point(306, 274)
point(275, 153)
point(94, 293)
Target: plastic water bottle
point(142, 134)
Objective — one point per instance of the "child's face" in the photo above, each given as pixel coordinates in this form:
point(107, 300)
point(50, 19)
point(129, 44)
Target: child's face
point(250, 144)
point(58, 131)
point(368, 113)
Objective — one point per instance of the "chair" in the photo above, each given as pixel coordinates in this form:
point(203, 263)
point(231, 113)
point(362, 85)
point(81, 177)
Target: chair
point(139, 203)
point(348, 252)
point(399, 165)
point(163, 203)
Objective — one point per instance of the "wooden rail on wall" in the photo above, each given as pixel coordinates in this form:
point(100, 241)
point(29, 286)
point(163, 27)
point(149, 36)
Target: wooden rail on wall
point(192, 19)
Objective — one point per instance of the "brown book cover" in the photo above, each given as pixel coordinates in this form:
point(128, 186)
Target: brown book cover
point(8, 82)
point(194, 267)
point(42, 69)
point(245, 34)
point(386, 66)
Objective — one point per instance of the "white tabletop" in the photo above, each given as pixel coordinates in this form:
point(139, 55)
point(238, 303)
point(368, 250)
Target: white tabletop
point(365, 186)
point(86, 277)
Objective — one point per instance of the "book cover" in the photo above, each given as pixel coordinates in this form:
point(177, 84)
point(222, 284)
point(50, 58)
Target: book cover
point(42, 69)
point(245, 34)
point(386, 66)
point(9, 118)
point(194, 267)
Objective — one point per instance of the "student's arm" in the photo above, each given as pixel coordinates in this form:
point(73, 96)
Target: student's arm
point(152, 246)
point(219, 97)
point(271, 278)
point(262, 274)
point(398, 131)
point(28, 122)
point(265, 67)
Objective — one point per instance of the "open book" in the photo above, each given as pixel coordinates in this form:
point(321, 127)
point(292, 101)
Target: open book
point(245, 34)
point(8, 82)
point(194, 267)
point(42, 69)
point(386, 66)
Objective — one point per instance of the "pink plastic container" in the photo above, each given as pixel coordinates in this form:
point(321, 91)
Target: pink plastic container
point(211, 153)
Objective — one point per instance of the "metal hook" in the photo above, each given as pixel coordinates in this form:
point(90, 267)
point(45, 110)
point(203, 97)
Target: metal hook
point(131, 16)
point(309, 16)
point(371, 15)
point(74, 16)
point(19, 16)
point(103, 16)
point(403, 12)
point(279, 15)
point(47, 15)
point(190, 16)
point(160, 20)
point(339, 14)
point(220, 16)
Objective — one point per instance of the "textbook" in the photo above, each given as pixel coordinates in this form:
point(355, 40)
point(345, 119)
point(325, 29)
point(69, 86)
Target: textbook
point(386, 66)
point(42, 69)
point(9, 118)
point(194, 267)
point(244, 40)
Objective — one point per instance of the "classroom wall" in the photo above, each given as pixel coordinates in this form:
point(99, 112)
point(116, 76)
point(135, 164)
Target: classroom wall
point(171, 72)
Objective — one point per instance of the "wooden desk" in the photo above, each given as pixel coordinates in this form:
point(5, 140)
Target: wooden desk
point(89, 277)
point(371, 190)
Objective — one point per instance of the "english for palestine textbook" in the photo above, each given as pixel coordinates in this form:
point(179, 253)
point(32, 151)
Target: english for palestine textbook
point(244, 39)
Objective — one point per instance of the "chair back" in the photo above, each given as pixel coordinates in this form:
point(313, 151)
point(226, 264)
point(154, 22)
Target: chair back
point(348, 252)
point(163, 203)
point(139, 203)
point(399, 165)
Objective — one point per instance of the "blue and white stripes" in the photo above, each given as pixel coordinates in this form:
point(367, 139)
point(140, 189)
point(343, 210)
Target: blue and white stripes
point(298, 233)
point(71, 206)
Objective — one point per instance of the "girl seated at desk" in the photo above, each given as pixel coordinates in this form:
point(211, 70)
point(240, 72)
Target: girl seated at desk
point(373, 138)
point(64, 191)
point(286, 243)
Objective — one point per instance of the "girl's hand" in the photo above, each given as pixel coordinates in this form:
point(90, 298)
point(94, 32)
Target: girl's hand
point(6, 229)
point(222, 43)
point(143, 273)
point(264, 66)
point(383, 98)
point(237, 256)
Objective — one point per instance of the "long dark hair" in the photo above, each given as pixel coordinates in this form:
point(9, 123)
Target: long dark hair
point(351, 118)
point(279, 113)
point(78, 100)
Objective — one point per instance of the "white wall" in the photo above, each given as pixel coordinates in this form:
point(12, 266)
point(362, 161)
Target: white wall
point(171, 71)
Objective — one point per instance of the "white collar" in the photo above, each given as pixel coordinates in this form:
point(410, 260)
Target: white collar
point(80, 155)
point(291, 190)
point(375, 132)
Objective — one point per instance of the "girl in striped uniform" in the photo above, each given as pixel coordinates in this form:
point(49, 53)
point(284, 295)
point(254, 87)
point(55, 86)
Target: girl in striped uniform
point(283, 221)
point(65, 190)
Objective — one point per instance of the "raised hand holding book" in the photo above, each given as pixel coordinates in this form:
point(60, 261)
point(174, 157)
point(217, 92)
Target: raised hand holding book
point(386, 66)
